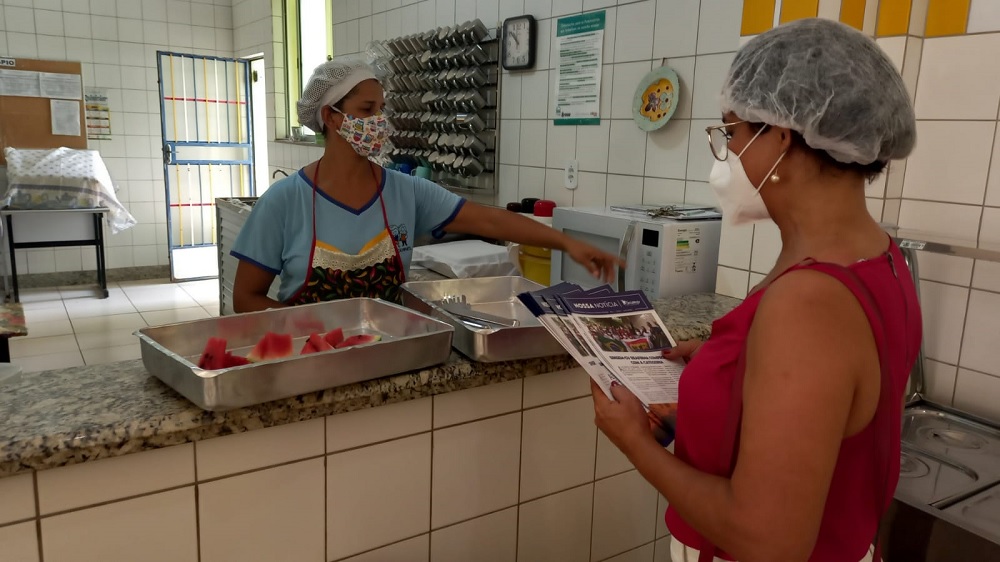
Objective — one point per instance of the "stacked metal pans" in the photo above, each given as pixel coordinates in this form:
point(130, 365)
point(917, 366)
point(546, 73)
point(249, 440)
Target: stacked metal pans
point(442, 99)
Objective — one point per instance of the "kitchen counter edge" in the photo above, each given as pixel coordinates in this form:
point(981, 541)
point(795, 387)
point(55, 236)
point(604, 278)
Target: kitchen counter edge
point(70, 416)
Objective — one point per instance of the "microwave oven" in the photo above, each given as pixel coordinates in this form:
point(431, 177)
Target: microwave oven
point(664, 256)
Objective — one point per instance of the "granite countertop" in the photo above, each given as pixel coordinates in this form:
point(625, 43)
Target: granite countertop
point(69, 416)
point(12, 320)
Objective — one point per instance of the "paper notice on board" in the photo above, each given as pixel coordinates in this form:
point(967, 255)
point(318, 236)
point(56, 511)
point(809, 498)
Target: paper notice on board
point(98, 113)
point(62, 86)
point(22, 83)
point(580, 43)
point(65, 117)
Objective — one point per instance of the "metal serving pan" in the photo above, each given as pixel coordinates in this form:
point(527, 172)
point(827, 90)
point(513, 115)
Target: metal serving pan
point(496, 296)
point(410, 341)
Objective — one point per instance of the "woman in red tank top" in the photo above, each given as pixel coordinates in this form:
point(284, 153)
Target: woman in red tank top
point(788, 424)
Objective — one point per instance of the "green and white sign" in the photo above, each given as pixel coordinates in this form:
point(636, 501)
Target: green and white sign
point(580, 40)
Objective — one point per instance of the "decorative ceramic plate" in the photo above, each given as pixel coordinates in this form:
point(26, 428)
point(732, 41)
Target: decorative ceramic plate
point(656, 99)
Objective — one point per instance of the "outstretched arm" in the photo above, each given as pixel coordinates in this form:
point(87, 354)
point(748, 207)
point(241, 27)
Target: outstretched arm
point(500, 224)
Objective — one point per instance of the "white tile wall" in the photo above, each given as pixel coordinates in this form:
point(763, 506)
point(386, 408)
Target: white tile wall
point(634, 31)
point(950, 69)
point(17, 498)
point(642, 554)
point(412, 550)
point(982, 333)
point(720, 32)
point(120, 37)
point(381, 423)
point(20, 542)
point(610, 460)
point(464, 406)
point(976, 393)
point(624, 515)
point(939, 381)
point(464, 456)
point(984, 15)
point(259, 448)
point(94, 482)
point(271, 514)
point(550, 528)
point(377, 495)
point(156, 528)
point(944, 312)
point(491, 538)
point(637, 36)
point(951, 162)
point(558, 448)
point(555, 387)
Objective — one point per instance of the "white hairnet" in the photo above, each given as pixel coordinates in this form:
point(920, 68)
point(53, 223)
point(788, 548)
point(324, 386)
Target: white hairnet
point(330, 82)
point(830, 83)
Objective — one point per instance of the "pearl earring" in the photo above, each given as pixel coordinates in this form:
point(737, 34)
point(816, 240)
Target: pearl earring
point(775, 178)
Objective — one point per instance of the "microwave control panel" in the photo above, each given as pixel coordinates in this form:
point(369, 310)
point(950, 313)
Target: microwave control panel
point(649, 262)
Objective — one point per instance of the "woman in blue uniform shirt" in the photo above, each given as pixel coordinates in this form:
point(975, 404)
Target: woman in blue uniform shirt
point(343, 226)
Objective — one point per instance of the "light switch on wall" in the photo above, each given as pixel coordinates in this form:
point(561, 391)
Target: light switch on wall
point(572, 174)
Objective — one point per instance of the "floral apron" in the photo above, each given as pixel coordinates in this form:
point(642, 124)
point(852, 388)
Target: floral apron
point(377, 271)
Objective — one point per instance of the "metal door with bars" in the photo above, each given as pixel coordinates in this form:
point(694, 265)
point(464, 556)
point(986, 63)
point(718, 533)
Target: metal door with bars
point(208, 152)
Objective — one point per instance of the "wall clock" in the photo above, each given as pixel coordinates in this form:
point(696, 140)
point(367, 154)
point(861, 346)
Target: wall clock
point(519, 39)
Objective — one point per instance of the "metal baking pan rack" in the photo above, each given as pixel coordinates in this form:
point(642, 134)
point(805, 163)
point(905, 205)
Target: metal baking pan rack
point(442, 97)
point(483, 298)
point(409, 341)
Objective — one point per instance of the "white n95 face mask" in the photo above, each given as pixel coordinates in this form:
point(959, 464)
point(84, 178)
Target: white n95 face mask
point(740, 201)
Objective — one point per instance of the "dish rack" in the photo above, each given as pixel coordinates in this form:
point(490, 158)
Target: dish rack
point(230, 215)
point(443, 97)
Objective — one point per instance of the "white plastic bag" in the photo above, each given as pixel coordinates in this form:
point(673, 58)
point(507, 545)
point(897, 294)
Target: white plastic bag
point(466, 258)
point(63, 178)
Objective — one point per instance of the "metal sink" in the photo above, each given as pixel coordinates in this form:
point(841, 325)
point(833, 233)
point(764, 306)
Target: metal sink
point(947, 502)
point(931, 480)
point(949, 477)
point(961, 440)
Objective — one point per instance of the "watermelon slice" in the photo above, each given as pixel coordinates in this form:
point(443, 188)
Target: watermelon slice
point(213, 355)
point(357, 340)
point(231, 360)
point(334, 337)
point(271, 346)
point(315, 344)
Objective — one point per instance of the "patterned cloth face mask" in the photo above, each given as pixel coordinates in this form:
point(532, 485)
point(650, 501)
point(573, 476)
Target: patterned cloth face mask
point(369, 136)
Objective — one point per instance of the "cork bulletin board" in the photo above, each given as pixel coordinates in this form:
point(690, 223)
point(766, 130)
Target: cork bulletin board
point(36, 105)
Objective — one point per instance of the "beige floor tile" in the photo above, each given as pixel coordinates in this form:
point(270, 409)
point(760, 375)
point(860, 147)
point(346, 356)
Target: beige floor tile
point(131, 321)
point(103, 355)
point(143, 283)
point(39, 296)
point(42, 305)
point(49, 328)
point(29, 347)
point(205, 292)
point(86, 308)
point(87, 292)
point(47, 314)
point(161, 317)
point(50, 361)
point(159, 297)
point(109, 338)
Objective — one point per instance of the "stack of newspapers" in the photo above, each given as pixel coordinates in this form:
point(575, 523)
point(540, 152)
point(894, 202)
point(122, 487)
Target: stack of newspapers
point(616, 338)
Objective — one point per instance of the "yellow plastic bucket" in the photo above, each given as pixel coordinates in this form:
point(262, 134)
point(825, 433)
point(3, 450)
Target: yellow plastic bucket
point(536, 264)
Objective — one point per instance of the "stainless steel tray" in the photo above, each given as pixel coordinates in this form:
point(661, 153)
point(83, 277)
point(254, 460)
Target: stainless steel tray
point(410, 341)
point(492, 295)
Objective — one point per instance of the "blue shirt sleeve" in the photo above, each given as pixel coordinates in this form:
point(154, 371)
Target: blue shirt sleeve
point(436, 207)
point(262, 238)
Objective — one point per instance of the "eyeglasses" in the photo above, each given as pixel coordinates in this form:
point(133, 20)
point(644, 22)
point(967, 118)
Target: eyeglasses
point(718, 139)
